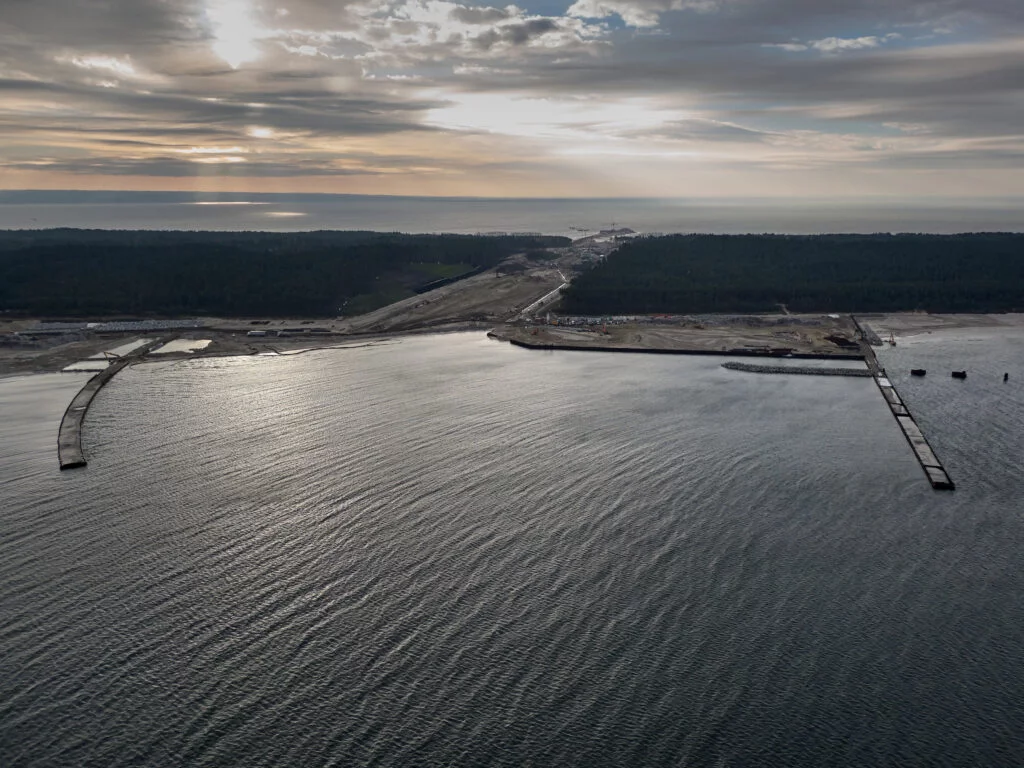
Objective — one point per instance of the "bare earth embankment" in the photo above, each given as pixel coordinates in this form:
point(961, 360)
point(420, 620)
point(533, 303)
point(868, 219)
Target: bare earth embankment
point(766, 334)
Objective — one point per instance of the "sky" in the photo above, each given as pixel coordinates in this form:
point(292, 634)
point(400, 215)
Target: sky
point(908, 99)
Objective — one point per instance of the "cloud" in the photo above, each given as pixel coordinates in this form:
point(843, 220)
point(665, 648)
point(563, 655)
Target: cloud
point(331, 87)
point(171, 167)
point(478, 15)
point(637, 13)
point(701, 130)
point(310, 110)
point(838, 44)
point(833, 44)
point(515, 34)
point(120, 66)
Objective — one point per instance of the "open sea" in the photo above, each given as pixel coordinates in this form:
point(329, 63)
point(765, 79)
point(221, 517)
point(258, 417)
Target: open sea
point(279, 212)
point(447, 551)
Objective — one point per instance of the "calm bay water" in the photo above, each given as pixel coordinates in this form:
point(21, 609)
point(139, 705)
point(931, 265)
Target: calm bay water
point(471, 215)
point(446, 551)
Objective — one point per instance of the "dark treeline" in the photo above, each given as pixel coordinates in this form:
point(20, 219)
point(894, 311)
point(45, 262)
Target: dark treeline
point(835, 273)
point(78, 273)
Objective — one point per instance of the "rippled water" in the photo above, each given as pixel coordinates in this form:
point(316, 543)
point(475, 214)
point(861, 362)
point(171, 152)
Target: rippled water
point(449, 551)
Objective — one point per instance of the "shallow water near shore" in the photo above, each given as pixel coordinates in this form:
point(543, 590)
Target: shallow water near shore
point(449, 551)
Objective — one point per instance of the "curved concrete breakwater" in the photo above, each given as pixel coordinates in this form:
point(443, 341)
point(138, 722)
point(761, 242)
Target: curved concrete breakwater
point(69, 439)
point(802, 370)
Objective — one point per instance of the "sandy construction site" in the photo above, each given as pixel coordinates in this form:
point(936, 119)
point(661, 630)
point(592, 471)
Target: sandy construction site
point(800, 334)
point(909, 324)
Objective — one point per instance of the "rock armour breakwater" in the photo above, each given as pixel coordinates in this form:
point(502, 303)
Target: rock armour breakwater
point(802, 370)
point(735, 352)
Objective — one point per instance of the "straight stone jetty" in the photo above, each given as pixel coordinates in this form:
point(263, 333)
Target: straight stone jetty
point(803, 370)
point(933, 469)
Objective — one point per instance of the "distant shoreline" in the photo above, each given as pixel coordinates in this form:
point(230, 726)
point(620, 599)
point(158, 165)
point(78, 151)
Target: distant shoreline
point(24, 210)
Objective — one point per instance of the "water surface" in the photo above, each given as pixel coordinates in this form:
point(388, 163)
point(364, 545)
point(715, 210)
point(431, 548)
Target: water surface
point(448, 551)
point(472, 215)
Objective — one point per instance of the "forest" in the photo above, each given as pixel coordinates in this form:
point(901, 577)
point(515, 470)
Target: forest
point(821, 273)
point(66, 273)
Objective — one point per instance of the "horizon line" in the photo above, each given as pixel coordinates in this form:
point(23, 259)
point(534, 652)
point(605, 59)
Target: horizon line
point(21, 196)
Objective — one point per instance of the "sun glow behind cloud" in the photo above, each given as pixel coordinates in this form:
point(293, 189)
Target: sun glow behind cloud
point(235, 31)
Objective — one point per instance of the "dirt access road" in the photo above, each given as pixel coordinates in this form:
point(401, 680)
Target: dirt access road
point(489, 297)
